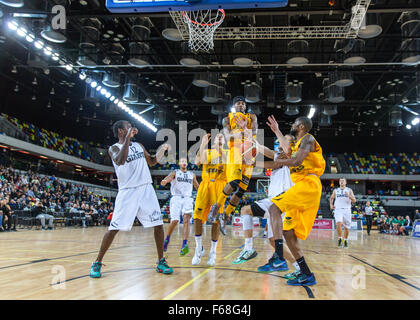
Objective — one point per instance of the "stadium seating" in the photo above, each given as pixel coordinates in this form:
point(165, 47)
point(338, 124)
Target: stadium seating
point(392, 163)
point(51, 140)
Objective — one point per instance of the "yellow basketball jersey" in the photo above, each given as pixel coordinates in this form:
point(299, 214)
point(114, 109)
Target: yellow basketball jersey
point(234, 127)
point(314, 162)
point(214, 169)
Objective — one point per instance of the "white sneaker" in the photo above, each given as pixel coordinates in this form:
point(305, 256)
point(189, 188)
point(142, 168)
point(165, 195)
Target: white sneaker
point(196, 260)
point(212, 259)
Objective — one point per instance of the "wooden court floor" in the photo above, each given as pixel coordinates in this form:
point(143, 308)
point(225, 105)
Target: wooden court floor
point(55, 264)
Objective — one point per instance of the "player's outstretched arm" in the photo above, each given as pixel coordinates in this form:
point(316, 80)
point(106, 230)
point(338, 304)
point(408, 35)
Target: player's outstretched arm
point(168, 178)
point(332, 200)
point(274, 126)
point(200, 158)
point(195, 182)
point(267, 152)
point(306, 146)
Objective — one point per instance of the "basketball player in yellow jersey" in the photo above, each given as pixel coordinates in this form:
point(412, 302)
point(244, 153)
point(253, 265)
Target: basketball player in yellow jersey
point(237, 127)
point(301, 202)
point(213, 181)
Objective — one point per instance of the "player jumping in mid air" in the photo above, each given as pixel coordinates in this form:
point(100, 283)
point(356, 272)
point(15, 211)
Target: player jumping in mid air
point(237, 127)
point(136, 196)
point(280, 181)
point(181, 203)
point(301, 202)
point(344, 198)
point(213, 182)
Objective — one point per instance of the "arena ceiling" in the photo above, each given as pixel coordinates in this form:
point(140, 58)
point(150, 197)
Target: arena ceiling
point(40, 91)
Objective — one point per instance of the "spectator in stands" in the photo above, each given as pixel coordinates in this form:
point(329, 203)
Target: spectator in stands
point(8, 215)
point(39, 212)
point(368, 216)
point(417, 215)
point(406, 226)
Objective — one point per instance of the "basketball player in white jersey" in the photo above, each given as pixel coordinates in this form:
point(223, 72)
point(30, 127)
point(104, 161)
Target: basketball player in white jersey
point(280, 181)
point(136, 196)
point(181, 203)
point(344, 198)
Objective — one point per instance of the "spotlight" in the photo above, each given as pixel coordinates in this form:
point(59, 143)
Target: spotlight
point(30, 37)
point(16, 88)
point(13, 25)
point(52, 91)
point(47, 51)
point(311, 112)
point(98, 88)
point(107, 95)
point(22, 32)
point(55, 57)
point(112, 98)
point(116, 101)
point(14, 69)
point(93, 84)
point(415, 121)
point(82, 76)
point(33, 98)
point(69, 67)
point(103, 91)
point(408, 126)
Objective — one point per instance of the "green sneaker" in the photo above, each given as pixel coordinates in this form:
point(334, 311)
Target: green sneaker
point(184, 250)
point(245, 256)
point(340, 242)
point(292, 275)
point(95, 270)
point(163, 267)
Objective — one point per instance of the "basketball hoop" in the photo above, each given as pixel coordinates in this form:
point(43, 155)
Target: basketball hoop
point(201, 25)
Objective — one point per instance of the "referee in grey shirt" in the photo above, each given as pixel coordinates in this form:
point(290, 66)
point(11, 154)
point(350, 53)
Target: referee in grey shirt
point(368, 216)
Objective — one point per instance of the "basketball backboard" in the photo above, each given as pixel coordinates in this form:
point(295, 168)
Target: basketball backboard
point(132, 6)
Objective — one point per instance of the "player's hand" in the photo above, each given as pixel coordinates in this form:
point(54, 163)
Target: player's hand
point(273, 124)
point(166, 147)
point(163, 182)
point(240, 122)
point(206, 139)
point(332, 207)
point(347, 194)
point(131, 132)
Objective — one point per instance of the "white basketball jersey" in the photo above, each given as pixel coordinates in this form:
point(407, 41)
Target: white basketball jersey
point(341, 200)
point(280, 180)
point(135, 171)
point(182, 185)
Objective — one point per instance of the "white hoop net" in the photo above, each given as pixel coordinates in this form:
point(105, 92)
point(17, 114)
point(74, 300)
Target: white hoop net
point(201, 25)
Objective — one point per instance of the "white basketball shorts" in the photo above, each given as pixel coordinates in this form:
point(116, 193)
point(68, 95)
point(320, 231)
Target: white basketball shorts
point(179, 206)
point(265, 204)
point(343, 215)
point(140, 202)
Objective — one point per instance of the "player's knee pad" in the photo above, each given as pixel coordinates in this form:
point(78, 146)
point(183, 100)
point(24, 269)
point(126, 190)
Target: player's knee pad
point(247, 222)
point(257, 211)
point(235, 184)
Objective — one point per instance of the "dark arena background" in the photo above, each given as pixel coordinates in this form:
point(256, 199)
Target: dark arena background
point(69, 69)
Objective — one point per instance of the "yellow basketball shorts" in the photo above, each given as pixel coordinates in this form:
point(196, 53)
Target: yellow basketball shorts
point(300, 204)
point(236, 170)
point(207, 196)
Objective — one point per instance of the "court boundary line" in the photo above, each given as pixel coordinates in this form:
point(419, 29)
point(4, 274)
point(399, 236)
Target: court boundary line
point(58, 258)
point(394, 276)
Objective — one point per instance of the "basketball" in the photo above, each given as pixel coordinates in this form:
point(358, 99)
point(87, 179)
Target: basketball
point(249, 152)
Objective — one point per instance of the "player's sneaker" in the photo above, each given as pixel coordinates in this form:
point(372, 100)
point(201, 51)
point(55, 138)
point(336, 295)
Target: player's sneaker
point(265, 234)
point(302, 280)
point(346, 244)
point(245, 256)
point(274, 264)
point(95, 269)
point(184, 250)
point(222, 223)
point(212, 259)
point(163, 267)
point(340, 242)
point(211, 218)
point(197, 256)
point(292, 275)
point(165, 245)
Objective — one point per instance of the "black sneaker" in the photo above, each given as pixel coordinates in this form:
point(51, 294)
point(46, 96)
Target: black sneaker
point(346, 245)
point(49, 228)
